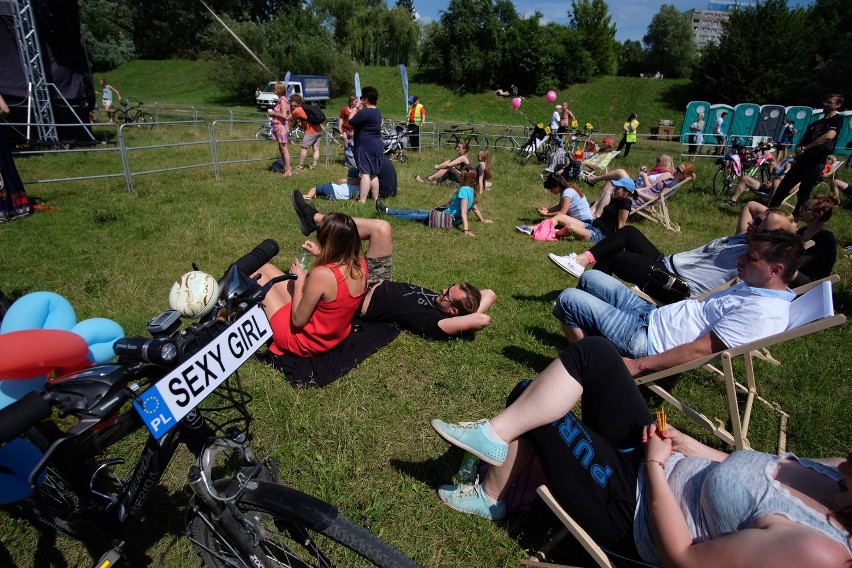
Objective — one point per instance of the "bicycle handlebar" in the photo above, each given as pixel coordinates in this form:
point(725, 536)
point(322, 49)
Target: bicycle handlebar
point(23, 414)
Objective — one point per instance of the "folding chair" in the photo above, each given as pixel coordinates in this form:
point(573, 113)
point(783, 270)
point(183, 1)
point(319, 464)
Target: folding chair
point(603, 161)
point(811, 311)
point(656, 209)
point(595, 551)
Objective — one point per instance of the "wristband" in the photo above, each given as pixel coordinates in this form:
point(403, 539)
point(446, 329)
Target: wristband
point(662, 465)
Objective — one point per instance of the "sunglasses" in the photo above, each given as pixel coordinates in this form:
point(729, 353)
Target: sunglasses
point(445, 295)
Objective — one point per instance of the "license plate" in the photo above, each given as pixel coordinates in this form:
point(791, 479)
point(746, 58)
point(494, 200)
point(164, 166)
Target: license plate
point(171, 398)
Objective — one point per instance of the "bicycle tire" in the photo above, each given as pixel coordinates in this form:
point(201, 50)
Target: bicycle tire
point(263, 133)
point(505, 143)
point(524, 153)
point(145, 120)
point(723, 182)
point(53, 503)
point(289, 543)
point(120, 117)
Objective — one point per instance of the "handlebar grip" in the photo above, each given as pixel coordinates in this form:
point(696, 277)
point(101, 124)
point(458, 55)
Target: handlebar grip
point(260, 255)
point(19, 416)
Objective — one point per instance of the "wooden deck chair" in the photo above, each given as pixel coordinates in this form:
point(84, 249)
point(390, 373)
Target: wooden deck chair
point(595, 551)
point(656, 209)
point(603, 162)
point(810, 312)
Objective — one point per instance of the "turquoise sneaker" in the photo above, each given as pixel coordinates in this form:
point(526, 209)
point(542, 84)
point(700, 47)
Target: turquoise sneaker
point(471, 499)
point(476, 437)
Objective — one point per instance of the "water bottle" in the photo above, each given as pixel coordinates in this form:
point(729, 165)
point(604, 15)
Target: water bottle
point(469, 468)
point(305, 258)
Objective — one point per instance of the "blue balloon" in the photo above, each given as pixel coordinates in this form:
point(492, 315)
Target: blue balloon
point(17, 459)
point(39, 310)
point(100, 334)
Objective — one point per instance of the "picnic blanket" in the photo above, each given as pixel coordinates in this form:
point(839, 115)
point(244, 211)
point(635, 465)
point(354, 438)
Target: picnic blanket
point(321, 370)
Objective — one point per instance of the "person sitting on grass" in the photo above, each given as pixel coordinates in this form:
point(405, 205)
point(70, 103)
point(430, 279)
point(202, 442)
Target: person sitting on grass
point(650, 493)
point(450, 170)
point(572, 201)
point(313, 314)
point(456, 311)
point(656, 338)
point(463, 201)
point(483, 171)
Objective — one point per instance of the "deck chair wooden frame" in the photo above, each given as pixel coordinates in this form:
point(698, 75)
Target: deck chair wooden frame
point(595, 551)
point(657, 210)
point(721, 365)
point(603, 163)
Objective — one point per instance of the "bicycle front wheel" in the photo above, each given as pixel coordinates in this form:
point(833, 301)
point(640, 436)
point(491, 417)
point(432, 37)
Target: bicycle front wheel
point(506, 143)
point(723, 182)
point(145, 120)
point(263, 133)
point(524, 153)
point(290, 543)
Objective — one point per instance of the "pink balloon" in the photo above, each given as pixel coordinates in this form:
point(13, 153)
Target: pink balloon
point(516, 102)
point(550, 96)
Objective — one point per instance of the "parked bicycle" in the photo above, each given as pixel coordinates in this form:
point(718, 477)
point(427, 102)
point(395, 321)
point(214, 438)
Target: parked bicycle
point(474, 139)
point(134, 114)
point(741, 161)
point(508, 142)
point(541, 145)
point(265, 132)
point(185, 388)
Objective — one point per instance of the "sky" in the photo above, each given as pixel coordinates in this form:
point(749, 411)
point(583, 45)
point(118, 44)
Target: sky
point(631, 17)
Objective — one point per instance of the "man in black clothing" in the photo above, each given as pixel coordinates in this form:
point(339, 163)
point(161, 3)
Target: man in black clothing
point(817, 142)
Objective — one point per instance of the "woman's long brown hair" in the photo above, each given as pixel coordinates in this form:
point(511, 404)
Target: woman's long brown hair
point(340, 244)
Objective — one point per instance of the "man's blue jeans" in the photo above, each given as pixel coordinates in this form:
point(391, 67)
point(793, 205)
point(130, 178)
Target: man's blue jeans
point(601, 305)
point(419, 215)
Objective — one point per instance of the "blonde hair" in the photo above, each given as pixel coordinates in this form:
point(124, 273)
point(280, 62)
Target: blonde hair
point(666, 161)
point(280, 89)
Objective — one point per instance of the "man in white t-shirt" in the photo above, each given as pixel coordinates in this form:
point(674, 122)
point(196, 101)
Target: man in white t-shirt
point(653, 338)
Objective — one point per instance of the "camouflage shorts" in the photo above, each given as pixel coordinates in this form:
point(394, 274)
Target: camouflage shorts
point(379, 268)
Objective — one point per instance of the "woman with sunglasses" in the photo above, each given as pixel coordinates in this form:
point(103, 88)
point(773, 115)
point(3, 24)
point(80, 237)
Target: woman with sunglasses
point(461, 204)
point(819, 258)
point(450, 168)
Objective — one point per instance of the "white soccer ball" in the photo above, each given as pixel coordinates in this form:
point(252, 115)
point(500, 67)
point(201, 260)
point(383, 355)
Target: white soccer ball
point(194, 294)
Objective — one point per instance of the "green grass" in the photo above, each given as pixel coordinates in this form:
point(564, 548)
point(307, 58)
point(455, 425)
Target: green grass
point(364, 442)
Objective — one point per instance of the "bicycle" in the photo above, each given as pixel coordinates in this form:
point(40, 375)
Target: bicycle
point(541, 144)
point(134, 114)
point(245, 517)
point(265, 132)
point(474, 139)
point(507, 142)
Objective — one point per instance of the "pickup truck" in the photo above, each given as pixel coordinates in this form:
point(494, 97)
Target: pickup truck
point(313, 88)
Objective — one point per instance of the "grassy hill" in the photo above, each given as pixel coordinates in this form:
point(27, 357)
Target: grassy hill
point(605, 102)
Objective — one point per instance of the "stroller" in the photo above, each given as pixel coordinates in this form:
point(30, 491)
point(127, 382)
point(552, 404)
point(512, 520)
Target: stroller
point(396, 143)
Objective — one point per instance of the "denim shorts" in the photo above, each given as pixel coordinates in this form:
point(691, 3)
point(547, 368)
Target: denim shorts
point(595, 234)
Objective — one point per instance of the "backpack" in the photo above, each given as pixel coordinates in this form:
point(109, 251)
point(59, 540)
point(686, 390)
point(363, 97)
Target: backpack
point(314, 114)
point(277, 166)
point(544, 231)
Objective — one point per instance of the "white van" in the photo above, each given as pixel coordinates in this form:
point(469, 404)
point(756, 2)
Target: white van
point(312, 88)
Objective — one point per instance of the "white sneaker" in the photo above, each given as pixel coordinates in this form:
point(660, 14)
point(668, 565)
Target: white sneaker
point(568, 263)
point(525, 229)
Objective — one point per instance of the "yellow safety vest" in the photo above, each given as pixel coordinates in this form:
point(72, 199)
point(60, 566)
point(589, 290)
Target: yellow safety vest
point(631, 134)
point(414, 114)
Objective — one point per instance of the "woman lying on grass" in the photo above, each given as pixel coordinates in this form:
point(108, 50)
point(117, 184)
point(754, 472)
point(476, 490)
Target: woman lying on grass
point(463, 201)
point(659, 496)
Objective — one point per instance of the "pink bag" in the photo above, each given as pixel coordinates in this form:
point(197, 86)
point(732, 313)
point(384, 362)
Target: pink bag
point(545, 231)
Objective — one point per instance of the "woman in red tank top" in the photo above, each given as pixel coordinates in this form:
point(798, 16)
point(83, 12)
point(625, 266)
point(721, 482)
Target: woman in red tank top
point(314, 313)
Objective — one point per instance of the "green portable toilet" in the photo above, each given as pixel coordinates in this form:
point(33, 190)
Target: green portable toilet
point(715, 112)
point(743, 123)
point(801, 117)
point(690, 116)
point(844, 139)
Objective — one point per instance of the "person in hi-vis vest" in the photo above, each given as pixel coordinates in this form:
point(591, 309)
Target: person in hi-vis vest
point(416, 118)
point(629, 138)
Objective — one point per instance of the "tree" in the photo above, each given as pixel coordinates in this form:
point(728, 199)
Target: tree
point(670, 42)
point(108, 40)
point(592, 20)
point(528, 56)
point(337, 13)
point(631, 59)
point(382, 36)
point(746, 67)
point(460, 48)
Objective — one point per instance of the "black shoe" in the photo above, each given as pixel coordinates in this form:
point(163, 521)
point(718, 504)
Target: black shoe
point(380, 207)
point(305, 213)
